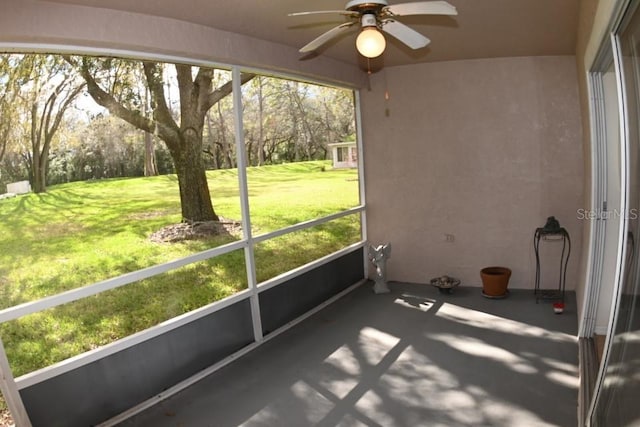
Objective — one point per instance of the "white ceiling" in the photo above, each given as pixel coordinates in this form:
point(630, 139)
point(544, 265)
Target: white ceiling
point(482, 29)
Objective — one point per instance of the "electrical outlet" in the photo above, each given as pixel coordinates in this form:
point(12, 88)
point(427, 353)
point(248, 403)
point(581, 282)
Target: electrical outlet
point(449, 238)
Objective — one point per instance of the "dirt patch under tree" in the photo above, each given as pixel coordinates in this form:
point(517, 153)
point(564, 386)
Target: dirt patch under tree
point(196, 230)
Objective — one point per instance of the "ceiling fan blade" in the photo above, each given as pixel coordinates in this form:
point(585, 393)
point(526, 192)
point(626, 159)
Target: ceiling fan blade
point(406, 35)
point(318, 12)
point(422, 8)
point(323, 38)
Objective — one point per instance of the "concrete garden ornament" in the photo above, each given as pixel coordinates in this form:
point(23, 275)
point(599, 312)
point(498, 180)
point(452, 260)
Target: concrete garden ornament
point(379, 256)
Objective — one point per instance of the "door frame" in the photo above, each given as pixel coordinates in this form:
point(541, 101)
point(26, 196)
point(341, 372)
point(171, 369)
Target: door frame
point(608, 56)
point(609, 52)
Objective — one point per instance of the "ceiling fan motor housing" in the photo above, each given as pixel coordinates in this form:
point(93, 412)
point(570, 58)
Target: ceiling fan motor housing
point(371, 6)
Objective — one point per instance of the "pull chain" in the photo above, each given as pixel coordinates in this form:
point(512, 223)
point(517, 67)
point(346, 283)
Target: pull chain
point(387, 112)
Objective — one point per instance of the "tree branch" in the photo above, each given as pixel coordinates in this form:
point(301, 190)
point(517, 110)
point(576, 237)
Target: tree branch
point(161, 112)
point(224, 90)
point(116, 108)
point(50, 131)
point(203, 84)
point(186, 89)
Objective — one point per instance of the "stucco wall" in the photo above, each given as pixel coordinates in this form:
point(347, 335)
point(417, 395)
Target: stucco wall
point(484, 150)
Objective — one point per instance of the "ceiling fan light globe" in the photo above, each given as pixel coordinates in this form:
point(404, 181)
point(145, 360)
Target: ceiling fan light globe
point(370, 42)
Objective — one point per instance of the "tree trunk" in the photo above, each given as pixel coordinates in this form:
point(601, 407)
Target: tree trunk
point(213, 151)
point(192, 180)
point(260, 148)
point(226, 146)
point(39, 175)
point(150, 161)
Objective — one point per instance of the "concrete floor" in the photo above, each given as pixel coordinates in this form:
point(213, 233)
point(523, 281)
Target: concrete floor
point(413, 357)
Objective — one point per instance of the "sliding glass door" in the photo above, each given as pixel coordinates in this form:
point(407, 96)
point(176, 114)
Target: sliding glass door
point(617, 397)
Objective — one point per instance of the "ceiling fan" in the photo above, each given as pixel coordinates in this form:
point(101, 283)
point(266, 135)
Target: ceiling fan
point(376, 15)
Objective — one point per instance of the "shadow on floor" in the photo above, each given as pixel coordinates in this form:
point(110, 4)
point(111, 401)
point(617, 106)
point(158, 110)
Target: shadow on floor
point(413, 357)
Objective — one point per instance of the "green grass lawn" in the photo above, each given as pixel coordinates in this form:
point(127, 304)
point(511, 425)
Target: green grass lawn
point(80, 233)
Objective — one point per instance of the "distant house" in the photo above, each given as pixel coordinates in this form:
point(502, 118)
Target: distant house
point(345, 155)
point(20, 187)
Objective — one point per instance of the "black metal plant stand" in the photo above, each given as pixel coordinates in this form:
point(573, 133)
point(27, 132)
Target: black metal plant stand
point(555, 233)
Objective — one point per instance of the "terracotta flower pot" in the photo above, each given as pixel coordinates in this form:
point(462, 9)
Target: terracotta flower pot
point(495, 281)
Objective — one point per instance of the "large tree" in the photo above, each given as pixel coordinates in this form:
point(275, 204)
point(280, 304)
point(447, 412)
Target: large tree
point(36, 91)
point(183, 134)
point(52, 88)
